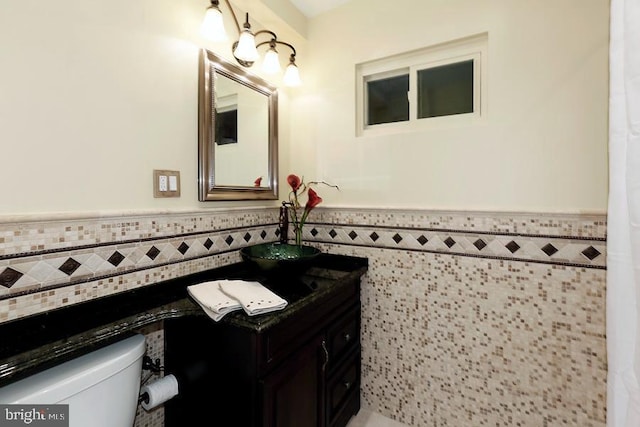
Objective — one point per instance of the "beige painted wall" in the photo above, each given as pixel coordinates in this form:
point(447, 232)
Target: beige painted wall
point(96, 94)
point(542, 147)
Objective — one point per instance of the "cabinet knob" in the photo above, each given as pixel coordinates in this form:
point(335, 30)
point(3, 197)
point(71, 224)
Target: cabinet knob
point(347, 337)
point(347, 385)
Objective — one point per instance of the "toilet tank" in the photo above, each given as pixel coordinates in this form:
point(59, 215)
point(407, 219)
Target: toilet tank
point(100, 387)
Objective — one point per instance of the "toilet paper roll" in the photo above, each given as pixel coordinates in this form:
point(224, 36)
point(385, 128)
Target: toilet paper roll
point(159, 391)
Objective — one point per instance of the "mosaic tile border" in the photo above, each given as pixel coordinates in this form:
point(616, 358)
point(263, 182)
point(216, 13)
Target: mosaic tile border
point(575, 225)
point(41, 256)
point(559, 250)
point(17, 306)
point(28, 237)
point(23, 273)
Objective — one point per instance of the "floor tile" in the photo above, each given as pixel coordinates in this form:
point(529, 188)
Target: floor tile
point(368, 418)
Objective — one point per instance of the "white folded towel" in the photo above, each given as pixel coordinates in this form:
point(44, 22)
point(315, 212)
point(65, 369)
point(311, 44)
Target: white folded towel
point(254, 298)
point(213, 301)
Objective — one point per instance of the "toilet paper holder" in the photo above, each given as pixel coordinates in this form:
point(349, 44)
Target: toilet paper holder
point(150, 365)
point(158, 392)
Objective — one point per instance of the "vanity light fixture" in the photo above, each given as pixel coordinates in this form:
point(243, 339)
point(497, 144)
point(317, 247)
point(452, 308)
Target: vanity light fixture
point(212, 27)
point(245, 50)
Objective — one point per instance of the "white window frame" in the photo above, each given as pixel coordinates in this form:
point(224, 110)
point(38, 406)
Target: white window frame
point(469, 48)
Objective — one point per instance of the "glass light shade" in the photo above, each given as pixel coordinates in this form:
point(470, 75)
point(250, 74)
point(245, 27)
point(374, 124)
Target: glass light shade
point(292, 76)
point(212, 27)
point(246, 49)
point(271, 63)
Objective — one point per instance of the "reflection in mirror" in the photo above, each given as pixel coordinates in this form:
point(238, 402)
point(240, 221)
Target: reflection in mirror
point(237, 133)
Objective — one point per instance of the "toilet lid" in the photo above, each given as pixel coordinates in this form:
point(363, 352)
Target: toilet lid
point(72, 377)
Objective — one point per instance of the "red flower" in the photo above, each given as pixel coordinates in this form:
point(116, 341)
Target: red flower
point(257, 182)
point(294, 181)
point(299, 187)
point(313, 201)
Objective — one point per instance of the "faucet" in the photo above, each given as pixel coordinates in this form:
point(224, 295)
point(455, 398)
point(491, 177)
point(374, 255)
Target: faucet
point(283, 224)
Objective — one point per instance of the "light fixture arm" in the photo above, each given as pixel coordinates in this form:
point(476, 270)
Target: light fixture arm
point(235, 18)
point(274, 40)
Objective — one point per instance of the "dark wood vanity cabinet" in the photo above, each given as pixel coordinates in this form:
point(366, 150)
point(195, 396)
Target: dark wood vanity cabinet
point(294, 390)
point(299, 367)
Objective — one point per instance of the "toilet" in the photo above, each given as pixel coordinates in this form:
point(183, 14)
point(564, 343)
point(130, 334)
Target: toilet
point(100, 387)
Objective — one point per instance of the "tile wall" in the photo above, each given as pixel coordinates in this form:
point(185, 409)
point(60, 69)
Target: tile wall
point(154, 335)
point(473, 319)
point(469, 318)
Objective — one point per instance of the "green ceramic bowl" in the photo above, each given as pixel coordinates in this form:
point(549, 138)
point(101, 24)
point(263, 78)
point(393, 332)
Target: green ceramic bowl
point(271, 257)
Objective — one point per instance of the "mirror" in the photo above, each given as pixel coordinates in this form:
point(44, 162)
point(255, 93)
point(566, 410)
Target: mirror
point(238, 134)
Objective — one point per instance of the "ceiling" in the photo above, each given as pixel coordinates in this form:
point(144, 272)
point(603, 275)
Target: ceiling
point(313, 8)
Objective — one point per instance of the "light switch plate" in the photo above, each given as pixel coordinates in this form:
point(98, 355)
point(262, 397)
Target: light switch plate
point(166, 183)
point(173, 183)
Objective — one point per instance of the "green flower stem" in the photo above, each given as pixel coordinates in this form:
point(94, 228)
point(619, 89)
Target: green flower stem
point(298, 227)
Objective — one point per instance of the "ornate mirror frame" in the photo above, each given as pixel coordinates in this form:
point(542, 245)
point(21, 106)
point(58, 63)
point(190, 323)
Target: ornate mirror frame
point(208, 190)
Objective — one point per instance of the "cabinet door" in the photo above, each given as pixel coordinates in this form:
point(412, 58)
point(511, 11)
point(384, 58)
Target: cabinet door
point(293, 394)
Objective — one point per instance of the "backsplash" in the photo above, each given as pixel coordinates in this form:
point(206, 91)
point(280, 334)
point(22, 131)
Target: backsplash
point(46, 265)
point(469, 318)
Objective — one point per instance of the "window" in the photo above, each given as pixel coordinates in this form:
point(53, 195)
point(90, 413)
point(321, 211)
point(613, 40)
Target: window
point(445, 90)
point(387, 100)
point(227, 127)
point(429, 87)
point(226, 119)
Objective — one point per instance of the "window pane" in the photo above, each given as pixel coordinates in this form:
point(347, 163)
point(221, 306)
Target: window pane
point(226, 127)
point(387, 100)
point(445, 90)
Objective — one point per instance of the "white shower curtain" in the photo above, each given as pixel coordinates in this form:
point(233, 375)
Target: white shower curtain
point(623, 235)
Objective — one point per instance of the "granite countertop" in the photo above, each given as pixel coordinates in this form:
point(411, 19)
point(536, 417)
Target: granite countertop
point(37, 342)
